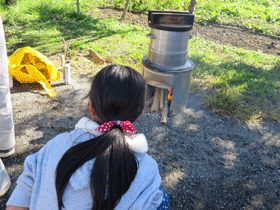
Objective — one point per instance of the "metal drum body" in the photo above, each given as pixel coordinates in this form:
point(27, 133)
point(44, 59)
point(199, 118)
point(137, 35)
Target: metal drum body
point(168, 48)
point(167, 65)
point(179, 80)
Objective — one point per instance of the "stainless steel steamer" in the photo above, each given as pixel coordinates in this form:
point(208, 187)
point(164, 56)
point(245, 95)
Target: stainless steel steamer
point(167, 65)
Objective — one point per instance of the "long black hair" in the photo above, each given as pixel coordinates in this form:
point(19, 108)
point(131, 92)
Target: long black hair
point(117, 93)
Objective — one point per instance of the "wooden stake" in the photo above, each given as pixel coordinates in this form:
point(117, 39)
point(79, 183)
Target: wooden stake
point(164, 112)
point(161, 103)
point(96, 57)
point(155, 105)
point(192, 6)
point(125, 9)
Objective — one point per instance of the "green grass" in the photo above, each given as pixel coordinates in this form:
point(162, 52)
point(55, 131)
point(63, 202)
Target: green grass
point(256, 15)
point(42, 26)
point(241, 84)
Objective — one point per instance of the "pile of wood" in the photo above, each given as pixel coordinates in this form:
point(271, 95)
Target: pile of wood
point(160, 103)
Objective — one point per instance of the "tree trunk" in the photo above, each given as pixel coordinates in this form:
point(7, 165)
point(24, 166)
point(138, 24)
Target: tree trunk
point(192, 6)
point(78, 7)
point(125, 9)
point(10, 2)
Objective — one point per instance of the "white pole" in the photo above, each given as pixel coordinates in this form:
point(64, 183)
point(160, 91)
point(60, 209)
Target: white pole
point(7, 135)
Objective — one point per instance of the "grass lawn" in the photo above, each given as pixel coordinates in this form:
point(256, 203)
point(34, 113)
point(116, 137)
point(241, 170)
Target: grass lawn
point(257, 15)
point(241, 83)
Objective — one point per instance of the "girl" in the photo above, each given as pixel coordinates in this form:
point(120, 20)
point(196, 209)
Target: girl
point(102, 164)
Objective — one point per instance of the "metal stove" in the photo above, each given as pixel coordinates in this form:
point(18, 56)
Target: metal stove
point(167, 65)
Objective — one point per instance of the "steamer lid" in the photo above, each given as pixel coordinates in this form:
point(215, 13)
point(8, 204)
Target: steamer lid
point(170, 20)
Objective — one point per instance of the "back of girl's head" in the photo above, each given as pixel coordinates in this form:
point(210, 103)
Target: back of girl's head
point(118, 93)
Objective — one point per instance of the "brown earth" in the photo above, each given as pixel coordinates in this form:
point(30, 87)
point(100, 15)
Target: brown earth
point(206, 161)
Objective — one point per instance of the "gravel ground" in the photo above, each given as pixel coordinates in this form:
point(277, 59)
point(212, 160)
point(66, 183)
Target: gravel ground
point(206, 161)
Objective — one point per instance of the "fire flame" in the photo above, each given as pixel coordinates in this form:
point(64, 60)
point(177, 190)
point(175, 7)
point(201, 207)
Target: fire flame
point(169, 97)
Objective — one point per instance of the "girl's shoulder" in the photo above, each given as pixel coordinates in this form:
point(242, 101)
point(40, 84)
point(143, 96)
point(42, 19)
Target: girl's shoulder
point(67, 139)
point(146, 164)
point(80, 133)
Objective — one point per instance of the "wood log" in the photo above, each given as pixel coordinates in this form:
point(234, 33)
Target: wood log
point(161, 103)
point(155, 105)
point(96, 57)
point(164, 112)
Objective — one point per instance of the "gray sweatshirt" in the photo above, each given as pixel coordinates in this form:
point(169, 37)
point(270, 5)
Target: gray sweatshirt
point(36, 185)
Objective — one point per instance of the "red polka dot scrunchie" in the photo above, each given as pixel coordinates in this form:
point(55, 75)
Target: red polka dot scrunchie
point(126, 126)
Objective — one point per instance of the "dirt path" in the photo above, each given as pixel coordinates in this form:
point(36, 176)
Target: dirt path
point(206, 161)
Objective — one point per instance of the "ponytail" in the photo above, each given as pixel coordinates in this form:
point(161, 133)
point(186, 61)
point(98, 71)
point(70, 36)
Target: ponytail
point(115, 167)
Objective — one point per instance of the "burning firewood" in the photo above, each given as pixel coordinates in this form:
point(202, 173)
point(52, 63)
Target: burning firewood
point(156, 102)
point(161, 103)
point(169, 94)
point(164, 111)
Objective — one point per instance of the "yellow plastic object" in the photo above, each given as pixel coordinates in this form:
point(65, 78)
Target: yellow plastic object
point(27, 65)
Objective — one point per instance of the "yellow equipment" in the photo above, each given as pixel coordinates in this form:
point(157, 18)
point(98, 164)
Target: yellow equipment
point(27, 65)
